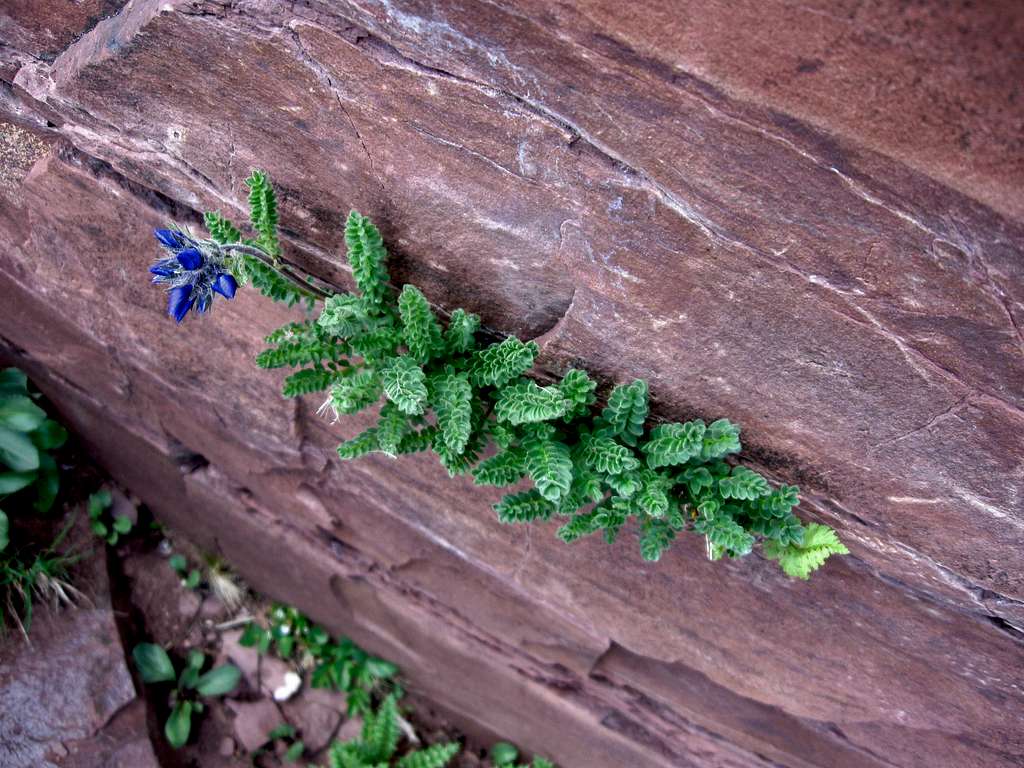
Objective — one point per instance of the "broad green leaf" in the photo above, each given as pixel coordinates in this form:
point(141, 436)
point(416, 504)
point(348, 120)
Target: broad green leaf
point(17, 451)
point(179, 724)
point(49, 436)
point(13, 382)
point(219, 681)
point(122, 524)
point(503, 754)
point(5, 531)
point(153, 663)
point(20, 414)
point(10, 482)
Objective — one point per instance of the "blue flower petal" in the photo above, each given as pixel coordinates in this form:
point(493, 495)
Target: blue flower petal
point(179, 302)
point(170, 238)
point(162, 271)
point(190, 258)
point(225, 285)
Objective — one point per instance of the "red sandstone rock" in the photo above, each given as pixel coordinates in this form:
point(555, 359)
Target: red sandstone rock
point(828, 253)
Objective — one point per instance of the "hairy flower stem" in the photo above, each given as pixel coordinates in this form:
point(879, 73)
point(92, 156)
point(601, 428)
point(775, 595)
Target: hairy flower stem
point(285, 270)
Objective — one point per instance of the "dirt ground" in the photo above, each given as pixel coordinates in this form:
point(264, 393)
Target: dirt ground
point(70, 697)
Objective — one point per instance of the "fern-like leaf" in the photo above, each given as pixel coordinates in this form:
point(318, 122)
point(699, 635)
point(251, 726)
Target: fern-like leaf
point(524, 507)
point(405, 385)
point(360, 445)
point(503, 468)
point(725, 532)
point(380, 732)
point(434, 756)
point(345, 755)
point(342, 315)
point(743, 483)
point(263, 212)
point(819, 543)
point(527, 403)
point(307, 381)
point(270, 283)
point(655, 537)
point(461, 462)
point(626, 412)
point(652, 498)
point(221, 230)
point(581, 525)
point(671, 444)
point(366, 256)
point(624, 484)
point(611, 515)
point(392, 426)
point(376, 346)
point(355, 392)
point(459, 338)
point(578, 389)
point(498, 364)
point(606, 455)
point(782, 530)
point(778, 503)
point(451, 397)
point(721, 438)
point(417, 441)
point(420, 329)
point(548, 463)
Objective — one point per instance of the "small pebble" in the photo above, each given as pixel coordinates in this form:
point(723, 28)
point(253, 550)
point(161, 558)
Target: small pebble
point(227, 746)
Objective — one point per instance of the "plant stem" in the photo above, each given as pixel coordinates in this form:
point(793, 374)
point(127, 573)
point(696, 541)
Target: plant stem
point(284, 270)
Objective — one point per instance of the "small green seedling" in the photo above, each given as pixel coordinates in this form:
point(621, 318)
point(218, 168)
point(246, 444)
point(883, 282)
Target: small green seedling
point(155, 666)
point(505, 755)
point(190, 577)
point(376, 746)
point(41, 576)
point(339, 665)
point(107, 526)
point(287, 736)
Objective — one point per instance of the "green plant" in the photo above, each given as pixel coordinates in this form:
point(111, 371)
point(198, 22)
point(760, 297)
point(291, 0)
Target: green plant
point(190, 686)
point(339, 664)
point(107, 526)
point(26, 576)
point(376, 746)
point(27, 437)
point(191, 578)
point(288, 736)
point(440, 388)
point(505, 755)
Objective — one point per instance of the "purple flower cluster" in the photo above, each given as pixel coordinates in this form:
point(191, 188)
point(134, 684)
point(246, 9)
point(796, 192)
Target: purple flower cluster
point(192, 271)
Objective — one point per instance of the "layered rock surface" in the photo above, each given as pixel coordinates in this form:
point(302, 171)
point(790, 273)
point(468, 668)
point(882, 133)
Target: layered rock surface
point(807, 219)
